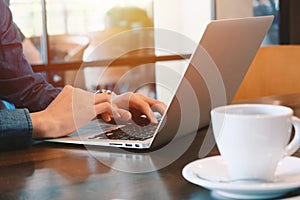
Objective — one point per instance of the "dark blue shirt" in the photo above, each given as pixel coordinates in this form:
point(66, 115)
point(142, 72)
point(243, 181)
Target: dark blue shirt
point(27, 90)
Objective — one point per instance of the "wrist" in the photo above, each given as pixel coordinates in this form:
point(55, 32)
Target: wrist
point(39, 125)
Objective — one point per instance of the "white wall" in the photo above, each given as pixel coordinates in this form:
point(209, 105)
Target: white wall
point(188, 17)
point(182, 17)
point(233, 8)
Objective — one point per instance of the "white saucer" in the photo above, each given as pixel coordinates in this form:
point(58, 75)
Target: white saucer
point(211, 173)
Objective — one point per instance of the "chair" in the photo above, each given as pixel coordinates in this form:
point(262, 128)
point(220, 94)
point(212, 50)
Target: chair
point(123, 36)
point(111, 44)
point(64, 48)
point(275, 70)
point(69, 45)
point(68, 48)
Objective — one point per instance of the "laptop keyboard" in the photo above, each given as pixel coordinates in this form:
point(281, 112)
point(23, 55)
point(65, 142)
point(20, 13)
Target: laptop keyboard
point(142, 130)
point(129, 132)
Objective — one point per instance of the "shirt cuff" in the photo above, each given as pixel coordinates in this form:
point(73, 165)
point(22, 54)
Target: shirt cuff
point(15, 129)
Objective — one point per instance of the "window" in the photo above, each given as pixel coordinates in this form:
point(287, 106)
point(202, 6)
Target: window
point(60, 31)
point(70, 21)
point(268, 7)
point(66, 31)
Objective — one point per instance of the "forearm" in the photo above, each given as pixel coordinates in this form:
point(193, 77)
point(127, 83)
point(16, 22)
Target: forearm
point(15, 129)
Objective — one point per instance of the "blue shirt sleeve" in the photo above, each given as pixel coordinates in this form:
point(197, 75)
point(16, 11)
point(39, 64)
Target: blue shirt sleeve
point(18, 83)
point(15, 129)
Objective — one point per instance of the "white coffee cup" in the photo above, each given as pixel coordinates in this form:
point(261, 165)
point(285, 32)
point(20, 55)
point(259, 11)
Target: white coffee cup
point(253, 138)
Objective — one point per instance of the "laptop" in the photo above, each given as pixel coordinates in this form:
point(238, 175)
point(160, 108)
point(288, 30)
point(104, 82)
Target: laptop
point(213, 75)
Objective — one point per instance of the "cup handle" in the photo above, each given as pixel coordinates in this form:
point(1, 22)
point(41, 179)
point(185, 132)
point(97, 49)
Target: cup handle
point(294, 145)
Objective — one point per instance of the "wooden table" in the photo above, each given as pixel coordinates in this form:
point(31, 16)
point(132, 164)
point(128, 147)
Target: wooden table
point(59, 171)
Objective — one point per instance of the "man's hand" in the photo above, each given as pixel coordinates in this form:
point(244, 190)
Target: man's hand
point(73, 108)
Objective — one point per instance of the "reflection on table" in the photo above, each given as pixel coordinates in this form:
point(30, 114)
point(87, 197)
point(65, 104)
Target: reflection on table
point(59, 171)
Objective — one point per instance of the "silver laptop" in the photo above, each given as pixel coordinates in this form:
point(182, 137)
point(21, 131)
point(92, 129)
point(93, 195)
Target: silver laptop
point(212, 77)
